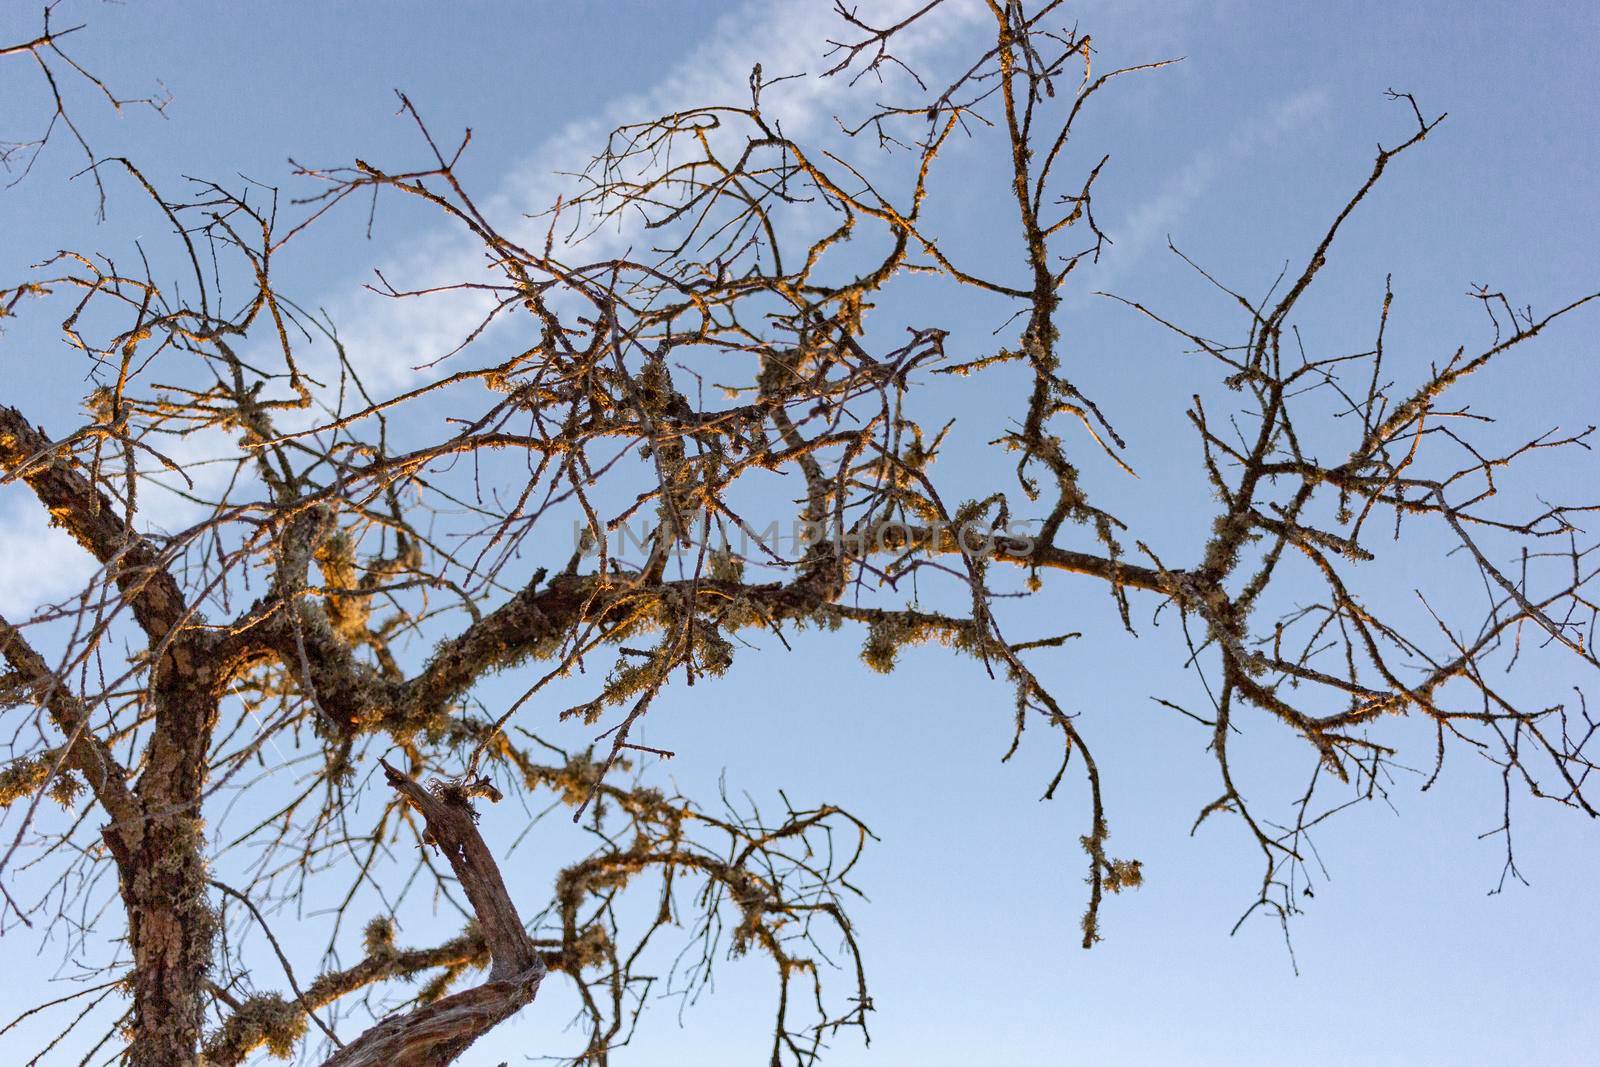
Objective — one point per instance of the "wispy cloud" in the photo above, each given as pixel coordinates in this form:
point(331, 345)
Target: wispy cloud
point(1148, 225)
point(387, 339)
point(39, 564)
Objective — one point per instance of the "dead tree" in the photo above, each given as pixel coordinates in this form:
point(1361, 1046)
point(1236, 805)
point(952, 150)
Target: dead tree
point(345, 577)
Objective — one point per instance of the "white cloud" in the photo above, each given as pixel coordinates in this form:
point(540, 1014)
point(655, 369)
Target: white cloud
point(1148, 224)
point(386, 339)
point(39, 564)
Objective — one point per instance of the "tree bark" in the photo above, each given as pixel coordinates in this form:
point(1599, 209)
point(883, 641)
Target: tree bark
point(157, 836)
point(171, 924)
point(436, 1034)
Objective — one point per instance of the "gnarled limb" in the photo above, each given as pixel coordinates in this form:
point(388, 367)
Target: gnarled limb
point(436, 1034)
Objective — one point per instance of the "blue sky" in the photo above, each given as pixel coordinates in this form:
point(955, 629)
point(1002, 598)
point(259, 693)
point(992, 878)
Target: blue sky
point(1241, 153)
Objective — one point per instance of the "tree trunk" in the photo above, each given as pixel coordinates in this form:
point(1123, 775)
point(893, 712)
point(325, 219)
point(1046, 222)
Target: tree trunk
point(172, 926)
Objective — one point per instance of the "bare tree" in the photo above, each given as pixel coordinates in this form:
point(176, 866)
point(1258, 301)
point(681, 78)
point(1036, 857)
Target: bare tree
point(211, 707)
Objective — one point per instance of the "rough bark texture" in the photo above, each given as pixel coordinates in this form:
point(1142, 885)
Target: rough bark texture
point(163, 879)
point(158, 838)
point(438, 1033)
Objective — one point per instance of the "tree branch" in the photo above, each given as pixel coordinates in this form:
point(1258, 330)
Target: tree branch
point(437, 1034)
